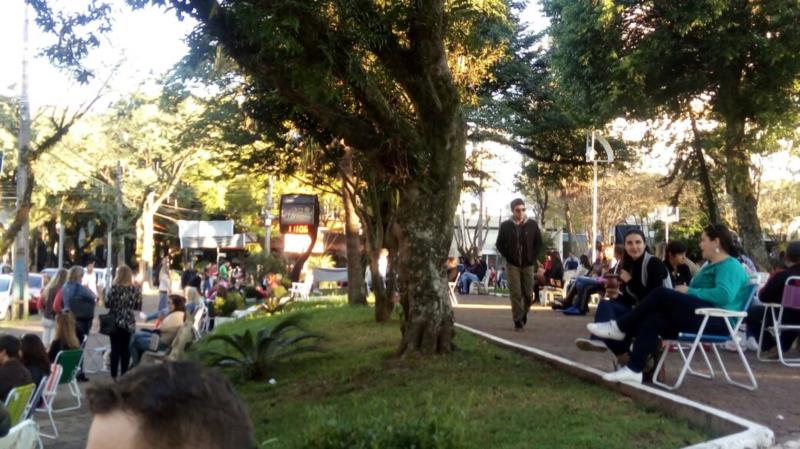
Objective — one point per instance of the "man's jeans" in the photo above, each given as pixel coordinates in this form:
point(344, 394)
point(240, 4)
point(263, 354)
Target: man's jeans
point(520, 284)
point(466, 279)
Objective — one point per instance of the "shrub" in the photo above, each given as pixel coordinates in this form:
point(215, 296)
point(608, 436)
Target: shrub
point(225, 305)
point(261, 264)
point(257, 354)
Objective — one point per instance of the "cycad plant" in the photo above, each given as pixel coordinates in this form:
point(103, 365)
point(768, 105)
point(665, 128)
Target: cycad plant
point(257, 354)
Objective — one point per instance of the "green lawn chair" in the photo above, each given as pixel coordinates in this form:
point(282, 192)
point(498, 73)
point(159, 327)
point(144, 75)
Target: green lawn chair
point(17, 402)
point(70, 360)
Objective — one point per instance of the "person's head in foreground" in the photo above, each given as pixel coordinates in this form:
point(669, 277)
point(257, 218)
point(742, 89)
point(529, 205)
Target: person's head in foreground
point(178, 405)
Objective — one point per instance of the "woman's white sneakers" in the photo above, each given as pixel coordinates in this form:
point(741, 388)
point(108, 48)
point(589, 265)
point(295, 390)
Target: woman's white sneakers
point(625, 375)
point(607, 330)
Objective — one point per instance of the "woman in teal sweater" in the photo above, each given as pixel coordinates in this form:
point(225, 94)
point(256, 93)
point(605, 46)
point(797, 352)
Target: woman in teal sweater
point(722, 283)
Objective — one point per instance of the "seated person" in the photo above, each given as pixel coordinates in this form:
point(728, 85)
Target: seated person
point(34, 357)
point(452, 269)
point(664, 313)
point(638, 274)
point(192, 407)
point(585, 286)
point(65, 337)
point(12, 372)
point(584, 267)
point(571, 262)
point(166, 331)
point(474, 273)
point(554, 274)
point(675, 260)
point(772, 292)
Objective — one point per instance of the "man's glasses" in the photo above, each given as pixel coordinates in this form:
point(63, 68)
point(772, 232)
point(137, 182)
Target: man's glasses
point(519, 209)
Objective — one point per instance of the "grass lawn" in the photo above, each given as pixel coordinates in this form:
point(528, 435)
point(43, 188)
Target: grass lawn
point(356, 395)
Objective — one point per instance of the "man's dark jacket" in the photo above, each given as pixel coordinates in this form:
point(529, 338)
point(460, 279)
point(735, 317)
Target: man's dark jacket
point(519, 245)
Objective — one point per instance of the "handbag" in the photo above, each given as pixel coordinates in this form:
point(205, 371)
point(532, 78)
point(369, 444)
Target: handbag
point(107, 325)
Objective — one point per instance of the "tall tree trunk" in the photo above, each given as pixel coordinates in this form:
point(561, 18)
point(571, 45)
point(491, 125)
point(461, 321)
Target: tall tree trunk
point(356, 289)
point(145, 243)
point(568, 221)
point(740, 188)
point(425, 225)
point(703, 174)
point(119, 219)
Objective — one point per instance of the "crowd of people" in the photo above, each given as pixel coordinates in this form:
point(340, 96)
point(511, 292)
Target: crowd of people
point(645, 298)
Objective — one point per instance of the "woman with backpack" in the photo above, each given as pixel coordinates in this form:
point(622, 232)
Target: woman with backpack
point(639, 273)
point(80, 301)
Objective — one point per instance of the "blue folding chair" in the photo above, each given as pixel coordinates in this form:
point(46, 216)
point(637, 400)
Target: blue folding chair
point(698, 340)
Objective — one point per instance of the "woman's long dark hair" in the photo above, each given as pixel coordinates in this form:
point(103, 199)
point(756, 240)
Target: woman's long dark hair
point(34, 354)
point(721, 232)
point(627, 261)
point(584, 261)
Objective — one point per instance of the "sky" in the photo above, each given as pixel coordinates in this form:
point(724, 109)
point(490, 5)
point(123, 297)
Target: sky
point(144, 43)
point(147, 43)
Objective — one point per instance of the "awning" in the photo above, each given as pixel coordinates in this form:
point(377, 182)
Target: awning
point(235, 241)
point(330, 275)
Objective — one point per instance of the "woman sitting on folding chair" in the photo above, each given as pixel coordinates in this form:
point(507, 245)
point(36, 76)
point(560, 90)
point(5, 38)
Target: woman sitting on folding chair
point(166, 331)
point(772, 292)
point(666, 313)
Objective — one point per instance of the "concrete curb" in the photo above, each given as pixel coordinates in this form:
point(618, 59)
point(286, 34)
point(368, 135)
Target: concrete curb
point(739, 432)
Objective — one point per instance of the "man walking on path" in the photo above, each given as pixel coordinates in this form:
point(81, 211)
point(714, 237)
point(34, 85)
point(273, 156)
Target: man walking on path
point(519, 241)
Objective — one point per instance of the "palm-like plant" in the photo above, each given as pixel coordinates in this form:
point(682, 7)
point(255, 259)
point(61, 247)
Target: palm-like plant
point(257, 354)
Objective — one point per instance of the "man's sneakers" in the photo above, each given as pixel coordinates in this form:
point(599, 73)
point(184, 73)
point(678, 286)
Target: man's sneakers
point(518, 326)
point(608, 330)
point(573, 311)
point(587, 344)
point(624, 375)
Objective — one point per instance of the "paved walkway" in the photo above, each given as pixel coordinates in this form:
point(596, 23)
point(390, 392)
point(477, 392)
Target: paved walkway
point(774, 404)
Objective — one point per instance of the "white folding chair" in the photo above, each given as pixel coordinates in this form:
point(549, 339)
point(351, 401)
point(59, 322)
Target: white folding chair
point(301, 290)
point(48, 396)
point(789, 300)
point(452, 290)
point(733, 320)
point(24, 435)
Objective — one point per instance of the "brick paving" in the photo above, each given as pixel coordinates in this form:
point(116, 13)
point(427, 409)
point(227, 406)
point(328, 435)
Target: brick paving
point(774, 404)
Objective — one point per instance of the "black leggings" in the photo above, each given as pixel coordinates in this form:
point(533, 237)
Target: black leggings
point(664, 313)
point(120, 351)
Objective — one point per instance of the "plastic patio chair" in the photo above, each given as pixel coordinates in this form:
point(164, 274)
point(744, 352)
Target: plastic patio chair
point(70, 362)
point(452, 290)
point(175, 351)
point(48, 396)
point(790, 300)
point(696, 341)
point(17, 402)
point(24, 435)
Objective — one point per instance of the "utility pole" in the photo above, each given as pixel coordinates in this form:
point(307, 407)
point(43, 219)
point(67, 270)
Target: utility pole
point(119, 218)
point(20, 290)
point(61, 236)
point(268, 218)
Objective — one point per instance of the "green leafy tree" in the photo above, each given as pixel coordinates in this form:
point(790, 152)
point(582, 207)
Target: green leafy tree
point(644, 58)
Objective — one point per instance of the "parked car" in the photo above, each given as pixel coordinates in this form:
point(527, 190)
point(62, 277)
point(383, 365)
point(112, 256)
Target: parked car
point(48, 273)
point(36, 283)
point(6, 268)
point(5, 296)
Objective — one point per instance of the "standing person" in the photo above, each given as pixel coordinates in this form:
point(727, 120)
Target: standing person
point(224, 270)
point(519, 241)
point(49, 313)
point(188, 274)
point(164, 286)
point(89, 278)
point(123, 299)
point(80, 301)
